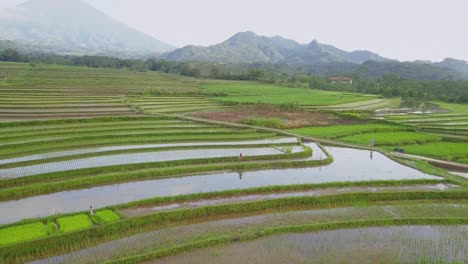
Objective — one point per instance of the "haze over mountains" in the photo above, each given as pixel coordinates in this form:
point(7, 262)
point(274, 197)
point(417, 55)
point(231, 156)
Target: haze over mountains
point(75, 27)
point(247, 47)
point(315, 57)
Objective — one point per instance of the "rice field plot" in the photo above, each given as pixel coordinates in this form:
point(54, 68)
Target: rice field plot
point(252, 92)
point(137, 158)
point(388, 136)
point(103, 146)
point(368, 105)
point(73, 223)
point(400, 244)
point(106, 216)
point(145, 183)
point(391, 138)
point(39, 107)
point(54, 92)
point(103, 132)
point(14, 234)
point(234, 227)
point(339, 131)
point(169, 105)
point(89, 81)
point(454, 123)
point(455, 151)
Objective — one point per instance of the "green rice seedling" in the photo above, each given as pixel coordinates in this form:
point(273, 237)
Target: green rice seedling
point(447, 150)
point(253, 92)
point(14, 234)
point(73, 223)
point(106, 216)
point(338, 131)
point(391, 138)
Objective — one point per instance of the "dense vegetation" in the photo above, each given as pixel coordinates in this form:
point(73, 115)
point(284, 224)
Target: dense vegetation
point(388, 85)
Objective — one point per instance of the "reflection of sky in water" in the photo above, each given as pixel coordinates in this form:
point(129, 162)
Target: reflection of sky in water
point(135, 158)
point(349, 165)
point(463, 174)
point(143, 146)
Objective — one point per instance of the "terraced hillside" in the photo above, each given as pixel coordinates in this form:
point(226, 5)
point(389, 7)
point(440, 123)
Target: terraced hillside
point(251, 92)
point(32, 92)
point(148, 187)
point(136, 170)
point(54, 92)
point(452, 127)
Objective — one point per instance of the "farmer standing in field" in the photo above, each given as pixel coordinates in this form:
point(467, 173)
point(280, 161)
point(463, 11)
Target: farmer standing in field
point(91, 210)
point(372, 143)
point(241, 157)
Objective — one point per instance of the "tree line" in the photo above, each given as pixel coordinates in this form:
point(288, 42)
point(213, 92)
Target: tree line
point(388, 85)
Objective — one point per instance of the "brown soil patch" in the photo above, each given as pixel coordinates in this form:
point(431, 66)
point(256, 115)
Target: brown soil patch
point(290, 118)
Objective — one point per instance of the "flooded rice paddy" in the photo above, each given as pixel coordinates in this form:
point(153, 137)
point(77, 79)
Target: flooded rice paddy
point(135, 158)
point(348, 165)
point(411, 107)
point(177, 235)
point(463, 174)
point(393, 244)
point(145, 146)
point(140, 210)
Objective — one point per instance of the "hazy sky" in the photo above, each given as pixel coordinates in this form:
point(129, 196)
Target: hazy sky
point(401, 29)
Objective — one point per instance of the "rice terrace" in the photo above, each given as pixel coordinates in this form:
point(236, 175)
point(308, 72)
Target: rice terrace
point(108, 165)
point(229, 143)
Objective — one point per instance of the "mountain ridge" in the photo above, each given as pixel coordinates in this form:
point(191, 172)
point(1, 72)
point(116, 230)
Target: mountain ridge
point(248, 47)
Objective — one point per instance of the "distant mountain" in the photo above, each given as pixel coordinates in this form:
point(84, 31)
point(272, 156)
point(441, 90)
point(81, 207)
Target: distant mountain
point(74, 27)
point(247, 47)
point(458, 65)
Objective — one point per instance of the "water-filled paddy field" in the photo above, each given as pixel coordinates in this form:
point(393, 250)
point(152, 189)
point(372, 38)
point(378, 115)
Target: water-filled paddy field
point(181, 234)
point(362, 167)
point(396, 244)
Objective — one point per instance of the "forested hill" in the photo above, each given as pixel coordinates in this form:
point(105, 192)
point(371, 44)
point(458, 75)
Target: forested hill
point(247, 47)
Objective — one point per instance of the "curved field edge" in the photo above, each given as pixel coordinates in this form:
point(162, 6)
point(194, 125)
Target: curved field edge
point(161, 201)
point(137, 150)
point(40, 184)
point(63, 243)
point(257, 234)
